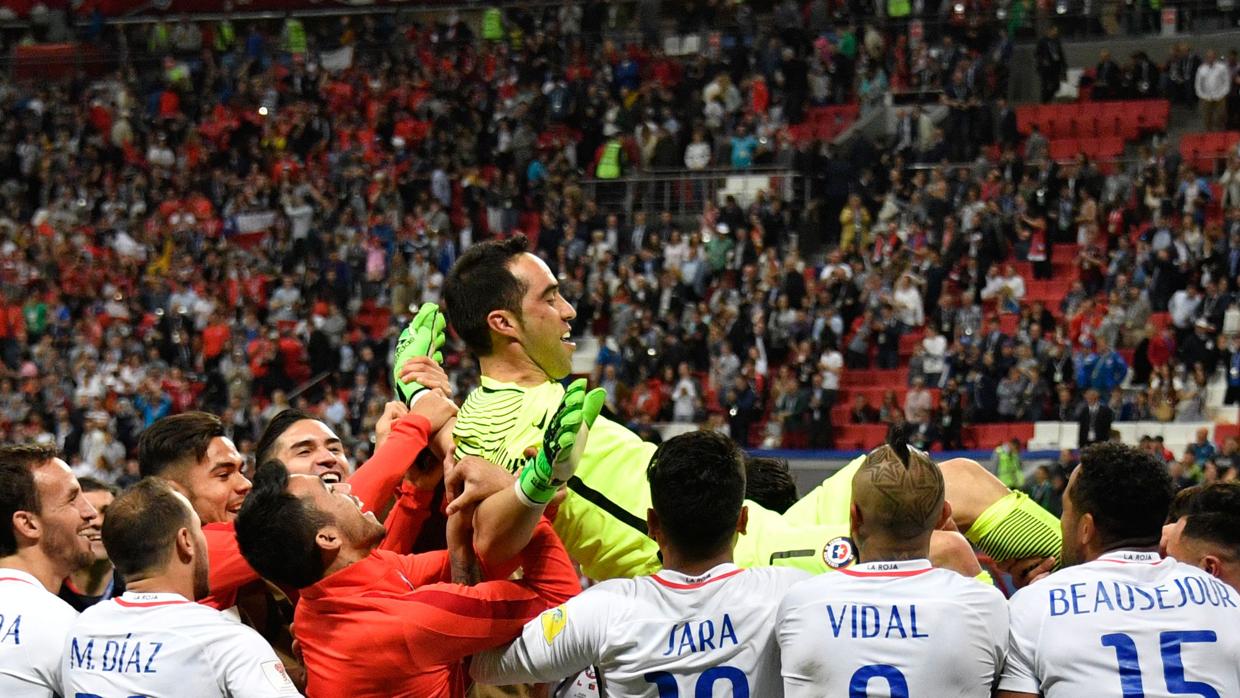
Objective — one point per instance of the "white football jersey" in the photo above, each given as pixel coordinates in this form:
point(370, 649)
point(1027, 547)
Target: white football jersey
point(165, 645)
point(666, 635)
point(1127, 624)
point(894, 629)
point(33, 624)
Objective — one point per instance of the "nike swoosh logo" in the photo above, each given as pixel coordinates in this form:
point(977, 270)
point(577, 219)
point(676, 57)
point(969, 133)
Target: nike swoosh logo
point(542, 422)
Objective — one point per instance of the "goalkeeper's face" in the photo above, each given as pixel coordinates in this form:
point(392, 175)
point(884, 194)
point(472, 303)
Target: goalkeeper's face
point(544, 328)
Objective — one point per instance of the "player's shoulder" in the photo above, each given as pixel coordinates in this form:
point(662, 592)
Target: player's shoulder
point(33, 601)
point(610, 600)
point(813, 587)
point(619, 587)
point(776, 579)
point(961, 585)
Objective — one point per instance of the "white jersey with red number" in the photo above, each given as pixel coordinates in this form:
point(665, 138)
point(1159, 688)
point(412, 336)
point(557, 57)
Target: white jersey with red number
point(164, 645)
point(892, 629)
point(662, 635)
point(1127, 624)
point(33, 624)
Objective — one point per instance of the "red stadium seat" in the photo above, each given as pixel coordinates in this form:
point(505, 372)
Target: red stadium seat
point(1223, 431)
point(860, 437)
point(988, 436)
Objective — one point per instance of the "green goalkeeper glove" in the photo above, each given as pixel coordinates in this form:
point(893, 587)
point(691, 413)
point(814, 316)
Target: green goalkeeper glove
point(423, 337)
point(563, 443)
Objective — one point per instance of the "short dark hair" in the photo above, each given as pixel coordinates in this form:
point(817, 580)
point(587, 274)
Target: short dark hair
point(1212, 514)
point(1219, 529)
point(171, 442)
point(142, 525)
point(90, 484)
point(769, 483)
point(697, 488)
point(479, 283)
point(18, 491)
point(1182, 503)
point(1127, 490)
point(1220, 497)
point(276, 530)
point(275, 429)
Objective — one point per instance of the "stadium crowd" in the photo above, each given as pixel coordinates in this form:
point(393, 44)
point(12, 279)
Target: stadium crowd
point(242, 211)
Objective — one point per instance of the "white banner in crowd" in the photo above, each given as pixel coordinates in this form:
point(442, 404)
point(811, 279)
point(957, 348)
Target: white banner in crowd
point(254, 221)
point(338, 60)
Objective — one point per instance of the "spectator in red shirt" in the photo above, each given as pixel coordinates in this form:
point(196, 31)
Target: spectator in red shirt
point(215, 337)
point(1161, 347)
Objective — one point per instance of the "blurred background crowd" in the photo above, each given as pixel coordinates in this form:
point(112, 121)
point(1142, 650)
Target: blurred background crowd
point(240, 215)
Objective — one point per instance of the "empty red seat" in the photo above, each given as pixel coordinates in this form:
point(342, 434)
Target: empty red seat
point(1064, 148)
point(988, 436)
point(1026, 116)
point(1223, 431)
point(859, 437)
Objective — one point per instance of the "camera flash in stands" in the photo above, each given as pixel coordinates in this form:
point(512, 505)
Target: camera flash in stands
point(262, 111)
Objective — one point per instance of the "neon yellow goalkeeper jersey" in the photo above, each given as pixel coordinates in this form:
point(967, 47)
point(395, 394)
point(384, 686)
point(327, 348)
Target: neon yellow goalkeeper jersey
point(602, 521)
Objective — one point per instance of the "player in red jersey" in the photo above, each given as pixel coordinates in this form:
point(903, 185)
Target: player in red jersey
point(375, 623)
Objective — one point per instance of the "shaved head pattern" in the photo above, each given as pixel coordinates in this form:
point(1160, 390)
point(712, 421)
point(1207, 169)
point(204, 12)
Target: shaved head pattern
point(902, 496)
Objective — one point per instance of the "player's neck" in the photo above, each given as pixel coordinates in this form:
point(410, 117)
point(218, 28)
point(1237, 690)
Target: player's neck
point(511, 365)
point(1136, 546)
point(33, 562)
point(877, 550)
point(346, 556)
point(692, 568)
point(165, 582)
point(93, 579)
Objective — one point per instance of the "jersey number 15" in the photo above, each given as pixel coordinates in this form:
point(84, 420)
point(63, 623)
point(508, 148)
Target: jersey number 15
point(1171, 643)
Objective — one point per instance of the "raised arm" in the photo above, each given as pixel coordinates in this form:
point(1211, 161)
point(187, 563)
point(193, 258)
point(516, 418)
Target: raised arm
point(508, 509)
point(454, 621)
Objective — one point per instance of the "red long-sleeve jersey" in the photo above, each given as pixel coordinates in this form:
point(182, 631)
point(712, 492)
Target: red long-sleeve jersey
point(393, 626)
point(375, 483)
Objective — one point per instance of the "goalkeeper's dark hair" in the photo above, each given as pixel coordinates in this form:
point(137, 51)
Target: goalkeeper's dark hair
point(275, 428)
point(479, 283)
point(1126, 490)
point(697, 489)
point(276, 530)
point(769, 483)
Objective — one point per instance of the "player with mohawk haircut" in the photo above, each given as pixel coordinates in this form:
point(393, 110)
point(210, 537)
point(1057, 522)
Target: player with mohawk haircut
point(891, 621)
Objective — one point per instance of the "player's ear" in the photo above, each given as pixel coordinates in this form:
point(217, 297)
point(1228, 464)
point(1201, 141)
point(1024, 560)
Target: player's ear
point(652, 524)
point(945, 516)
point(1212, 565)
point(26, 523)
point(185, 546)
point(742, 521)
point(328, 539)
point(854, 519)
point(503, 322)
point(1086, 530)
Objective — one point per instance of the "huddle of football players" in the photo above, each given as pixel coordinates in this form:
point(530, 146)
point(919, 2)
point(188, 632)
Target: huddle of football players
point(452, 560)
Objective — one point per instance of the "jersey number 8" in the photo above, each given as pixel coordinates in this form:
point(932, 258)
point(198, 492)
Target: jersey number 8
point(859, 684)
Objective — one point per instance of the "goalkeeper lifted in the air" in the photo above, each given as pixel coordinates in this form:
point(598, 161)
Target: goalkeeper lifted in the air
point(506, 305)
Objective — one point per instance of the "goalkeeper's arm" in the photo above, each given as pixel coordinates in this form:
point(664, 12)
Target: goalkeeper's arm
point(509, 508)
